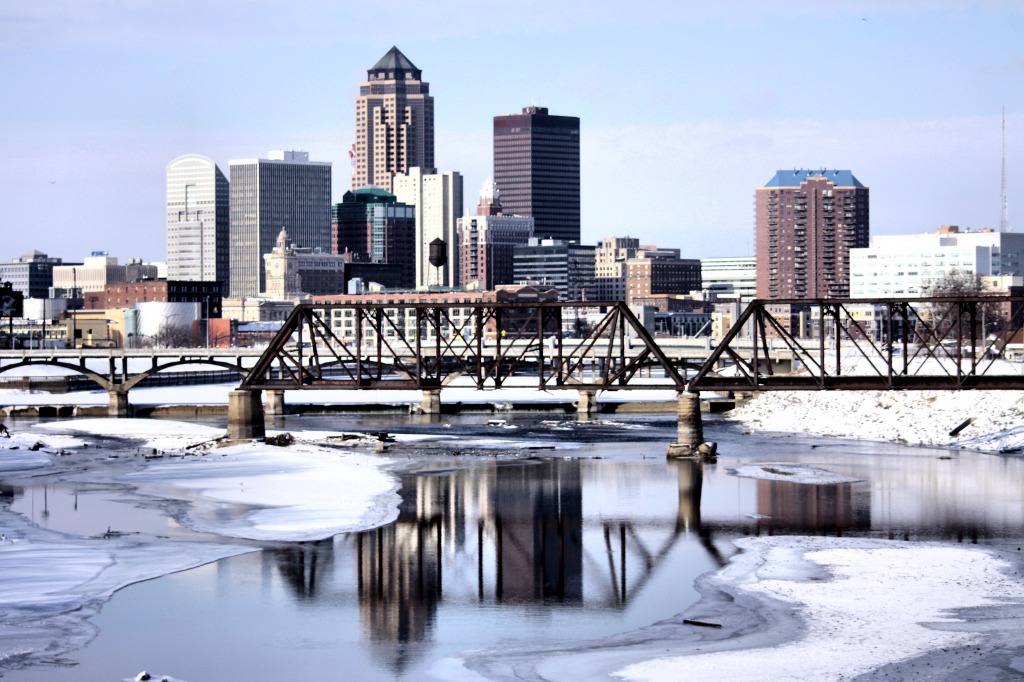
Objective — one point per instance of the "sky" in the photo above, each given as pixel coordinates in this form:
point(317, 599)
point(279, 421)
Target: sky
point(685, 107)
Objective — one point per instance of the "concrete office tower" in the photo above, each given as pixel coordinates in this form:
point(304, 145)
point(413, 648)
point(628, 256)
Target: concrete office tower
point(394, 123)
point(32, 274)
point(807, 221)
point(285, 191)
point(438, 201)
point(610, 267)
point(537, 170)
point(99, 270)
point(197, 221)
point(487, 241)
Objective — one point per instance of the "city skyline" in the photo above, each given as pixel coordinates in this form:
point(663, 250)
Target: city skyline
point(689, 107)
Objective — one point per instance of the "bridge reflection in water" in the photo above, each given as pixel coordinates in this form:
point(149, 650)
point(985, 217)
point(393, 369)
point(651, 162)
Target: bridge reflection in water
point(523, 535)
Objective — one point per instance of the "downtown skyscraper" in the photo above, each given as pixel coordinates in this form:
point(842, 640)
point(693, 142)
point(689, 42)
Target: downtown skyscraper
point(806, 223)
point(394, 123)
point(286, 191)
point(197, 220)
point(537, 170)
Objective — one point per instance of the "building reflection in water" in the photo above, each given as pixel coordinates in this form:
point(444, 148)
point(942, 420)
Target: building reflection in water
point(515, 533)
point(816, 509)
point(537, 524)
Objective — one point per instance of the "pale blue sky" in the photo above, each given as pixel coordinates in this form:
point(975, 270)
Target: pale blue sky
point(685, 109)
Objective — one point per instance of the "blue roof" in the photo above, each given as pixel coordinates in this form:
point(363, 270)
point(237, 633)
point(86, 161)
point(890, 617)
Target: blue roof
point(795, 178)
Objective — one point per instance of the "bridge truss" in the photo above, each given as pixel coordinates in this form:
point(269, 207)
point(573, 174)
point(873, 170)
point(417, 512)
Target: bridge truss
point(937, 343)
point(428, 345)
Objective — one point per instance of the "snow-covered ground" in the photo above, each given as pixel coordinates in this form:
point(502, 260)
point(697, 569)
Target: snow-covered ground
point(915, 417)
point(861, 605)
point(995, 419)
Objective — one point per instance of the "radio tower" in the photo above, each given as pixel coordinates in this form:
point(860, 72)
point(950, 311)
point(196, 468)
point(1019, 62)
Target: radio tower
point(1004, 218)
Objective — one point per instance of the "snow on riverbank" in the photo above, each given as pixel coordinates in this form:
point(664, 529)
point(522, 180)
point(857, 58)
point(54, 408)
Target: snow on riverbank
point(808, 608)
point(882, 603)
point(256, 491)
point(915, 417)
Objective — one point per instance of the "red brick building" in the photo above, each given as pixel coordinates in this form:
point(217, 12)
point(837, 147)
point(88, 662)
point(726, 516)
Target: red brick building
point(127, 294)
point(806, 223)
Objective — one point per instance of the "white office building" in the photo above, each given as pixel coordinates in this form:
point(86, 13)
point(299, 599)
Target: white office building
point(724, 279)
point(438, 201)
point(908, 266)
point(197, 221)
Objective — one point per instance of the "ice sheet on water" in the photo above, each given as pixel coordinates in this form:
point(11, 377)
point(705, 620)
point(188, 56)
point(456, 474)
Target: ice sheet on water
point(790, 472)
point(261, 492)
point(51, 584)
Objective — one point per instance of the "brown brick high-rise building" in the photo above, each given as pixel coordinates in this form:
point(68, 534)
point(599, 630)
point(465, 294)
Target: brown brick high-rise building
point(394, 122)
point(807, 221)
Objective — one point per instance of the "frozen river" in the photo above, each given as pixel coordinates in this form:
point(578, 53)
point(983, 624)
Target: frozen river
point(538, 532)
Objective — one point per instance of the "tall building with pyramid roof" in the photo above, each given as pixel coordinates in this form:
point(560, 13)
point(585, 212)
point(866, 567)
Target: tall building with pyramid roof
point(394, 123)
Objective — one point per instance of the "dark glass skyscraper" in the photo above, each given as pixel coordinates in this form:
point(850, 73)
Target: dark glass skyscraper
point(537, 170)
point(372, 226)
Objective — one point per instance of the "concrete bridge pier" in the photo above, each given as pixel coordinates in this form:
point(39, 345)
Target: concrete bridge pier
point(273, 403)
point(431, 403)
point(245, 415)
point(117, 405)
point(586, 406)
point(690, 432)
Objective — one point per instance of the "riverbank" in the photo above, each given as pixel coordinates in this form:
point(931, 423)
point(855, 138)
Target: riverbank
point(815, 608)
point(988, 421)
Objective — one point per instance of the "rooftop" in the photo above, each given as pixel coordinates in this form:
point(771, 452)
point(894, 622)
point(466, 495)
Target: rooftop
point(795, 178)
point(393, 66)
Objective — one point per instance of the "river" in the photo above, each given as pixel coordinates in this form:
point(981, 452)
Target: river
point(542, 531)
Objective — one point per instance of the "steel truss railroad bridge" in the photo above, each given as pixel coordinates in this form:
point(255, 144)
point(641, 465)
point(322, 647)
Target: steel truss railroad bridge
point(945, 343)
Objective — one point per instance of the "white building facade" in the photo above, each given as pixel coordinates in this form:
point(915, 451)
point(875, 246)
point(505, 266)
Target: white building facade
point(910, 265)
point(197, 220)
point(729, 278)
point(438, 201)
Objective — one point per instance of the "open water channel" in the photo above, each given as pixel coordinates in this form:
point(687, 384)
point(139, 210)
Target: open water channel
point(551, 531)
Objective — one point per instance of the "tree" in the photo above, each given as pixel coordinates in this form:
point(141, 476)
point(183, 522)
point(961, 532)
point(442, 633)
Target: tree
point(175, 336)
point(957, 284)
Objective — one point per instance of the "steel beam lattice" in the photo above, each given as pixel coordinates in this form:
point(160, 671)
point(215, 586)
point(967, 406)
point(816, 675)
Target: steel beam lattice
point(936, 343)
point(428, 345)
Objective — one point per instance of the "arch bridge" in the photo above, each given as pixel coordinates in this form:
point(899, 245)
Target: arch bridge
point(117, 371)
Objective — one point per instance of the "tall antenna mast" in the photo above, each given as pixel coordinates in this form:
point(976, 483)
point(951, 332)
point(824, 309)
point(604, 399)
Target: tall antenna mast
point(1004, 218)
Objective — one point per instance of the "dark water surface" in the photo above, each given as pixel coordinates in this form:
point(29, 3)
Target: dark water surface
point(591, 532)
